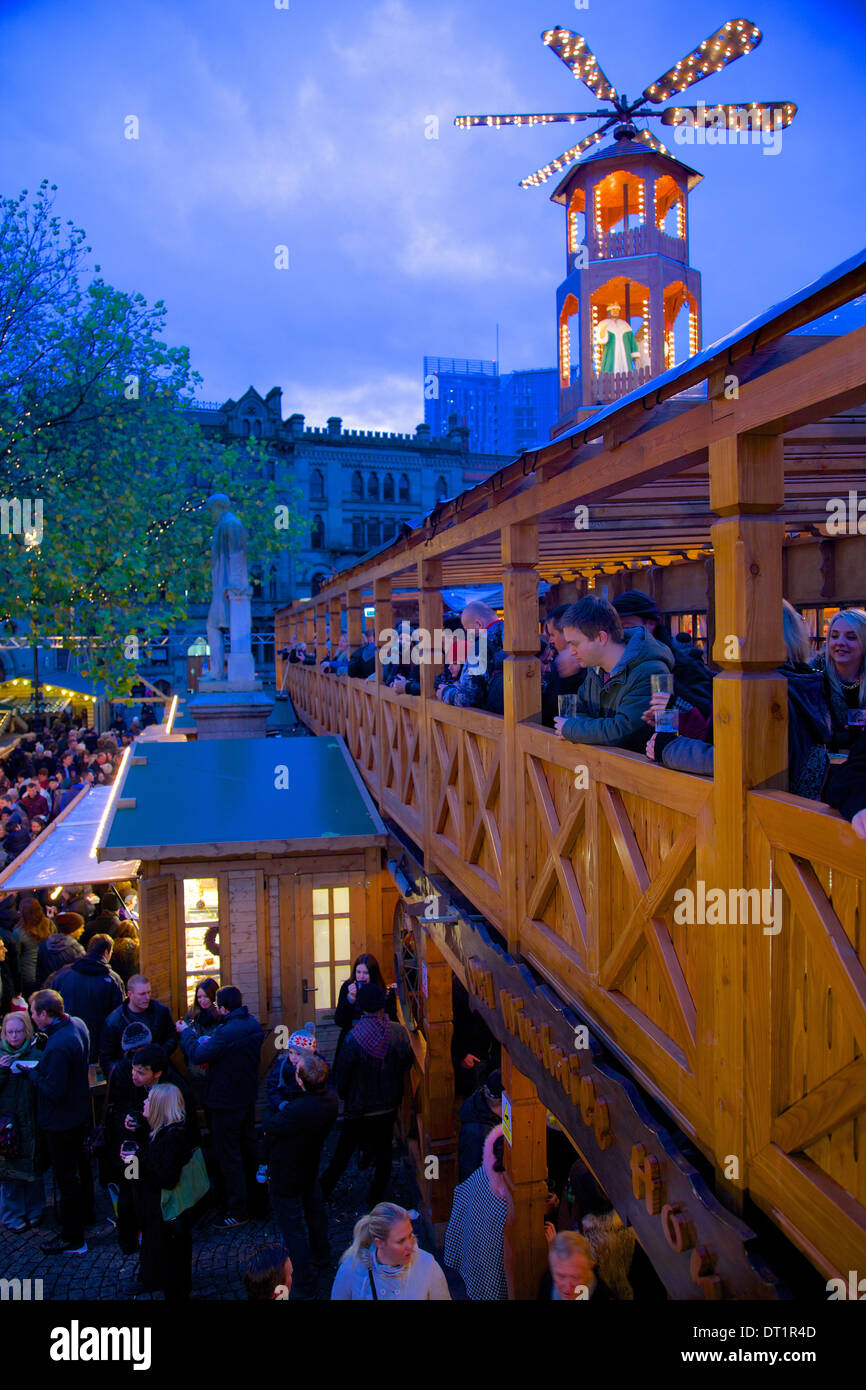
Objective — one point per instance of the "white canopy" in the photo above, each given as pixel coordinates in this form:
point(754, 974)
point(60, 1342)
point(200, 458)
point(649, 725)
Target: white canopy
point(62, 854)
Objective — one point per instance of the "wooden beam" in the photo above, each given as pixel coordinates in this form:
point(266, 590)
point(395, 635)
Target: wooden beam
point(521, 696)
point(750, 735)
point(526, 1177)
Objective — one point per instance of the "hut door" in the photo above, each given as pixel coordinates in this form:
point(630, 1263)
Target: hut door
point(158, 957)
point(326, 951)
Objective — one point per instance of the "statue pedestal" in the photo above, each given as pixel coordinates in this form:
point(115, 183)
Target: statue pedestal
point(230, 709)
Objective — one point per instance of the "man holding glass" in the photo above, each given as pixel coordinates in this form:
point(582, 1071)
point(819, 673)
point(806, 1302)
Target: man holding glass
point(617, 689)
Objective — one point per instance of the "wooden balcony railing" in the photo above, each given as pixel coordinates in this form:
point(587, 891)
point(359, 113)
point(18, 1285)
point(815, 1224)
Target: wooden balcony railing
point(751, 1032)
point(596, 867)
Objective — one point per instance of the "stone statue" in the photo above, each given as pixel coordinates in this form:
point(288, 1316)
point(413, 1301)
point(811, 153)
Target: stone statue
point(230, 606)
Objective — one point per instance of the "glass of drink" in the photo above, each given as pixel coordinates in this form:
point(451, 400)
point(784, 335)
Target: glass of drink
point(667, 721)
point(567, 706)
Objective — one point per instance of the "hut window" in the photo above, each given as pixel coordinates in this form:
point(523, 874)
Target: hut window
point(201, 925)
point(332, 948)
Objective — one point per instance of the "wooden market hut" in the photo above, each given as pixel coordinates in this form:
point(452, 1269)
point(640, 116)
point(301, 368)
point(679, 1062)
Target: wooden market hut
point(554, 892)
point(261, 866)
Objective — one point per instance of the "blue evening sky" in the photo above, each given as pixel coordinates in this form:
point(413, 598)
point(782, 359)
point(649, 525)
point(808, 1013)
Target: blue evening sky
point(305, 127)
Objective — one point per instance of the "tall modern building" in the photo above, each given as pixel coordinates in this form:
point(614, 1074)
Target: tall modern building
point(503, 414)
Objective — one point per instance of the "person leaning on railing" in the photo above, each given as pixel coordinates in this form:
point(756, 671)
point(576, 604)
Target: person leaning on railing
point(616, 692)
point(809, 725)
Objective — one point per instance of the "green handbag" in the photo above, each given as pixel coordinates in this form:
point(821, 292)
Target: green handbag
point(194, 1183)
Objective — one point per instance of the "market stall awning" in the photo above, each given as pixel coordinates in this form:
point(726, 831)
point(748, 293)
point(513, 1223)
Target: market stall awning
point(63, 853)
point(238, 795)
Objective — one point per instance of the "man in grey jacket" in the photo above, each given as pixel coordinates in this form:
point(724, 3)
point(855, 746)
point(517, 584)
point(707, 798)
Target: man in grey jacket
point(617, 689)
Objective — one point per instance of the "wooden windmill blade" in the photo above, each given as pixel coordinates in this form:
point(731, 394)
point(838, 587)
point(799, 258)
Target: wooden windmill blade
point(526, 118)
point(734, 40)
point(575, 52)
point(736, 115)
point(568, 157)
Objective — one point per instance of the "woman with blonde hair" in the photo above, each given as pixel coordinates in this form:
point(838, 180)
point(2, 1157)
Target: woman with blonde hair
point(384, 1262)
point(843, 667)
point(163, 1151)
point(22, 1192)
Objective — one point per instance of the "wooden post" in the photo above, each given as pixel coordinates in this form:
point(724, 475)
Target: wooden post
point(310, 626)
point(437, 1097)
point(384, 619)
point(335, 623)
point(526, 1176)
point(321, 634)
point(750, 735)
point(522, 697)
point(354, 619)
point(430, 618)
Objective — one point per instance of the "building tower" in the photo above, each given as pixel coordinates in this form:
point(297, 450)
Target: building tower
point(627, 241)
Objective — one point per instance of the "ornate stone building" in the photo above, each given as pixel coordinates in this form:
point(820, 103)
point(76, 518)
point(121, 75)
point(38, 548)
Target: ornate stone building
point(357, 486)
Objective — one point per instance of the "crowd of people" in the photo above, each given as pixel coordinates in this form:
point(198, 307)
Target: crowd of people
point(42, 774)
point(100, 1085)
point(605, 656)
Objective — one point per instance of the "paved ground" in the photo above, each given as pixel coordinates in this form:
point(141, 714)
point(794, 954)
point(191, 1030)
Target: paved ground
point(218, 1256)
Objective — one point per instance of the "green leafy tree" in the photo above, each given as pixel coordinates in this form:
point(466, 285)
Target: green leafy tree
point(103, 475)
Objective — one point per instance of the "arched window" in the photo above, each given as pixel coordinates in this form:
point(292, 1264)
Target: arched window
point(269, 470)
point(357, 485)
point(317, 534)
point(256, 580)
point(388, 488)
point(317, 486)
point(373, 486)
point(317, 583)
point(441, 489)
point(357, 534)
point(373, 531)
point(389, 526)
point(257, 428)
point(272, 582)
point(404, 488)
point(245, 428)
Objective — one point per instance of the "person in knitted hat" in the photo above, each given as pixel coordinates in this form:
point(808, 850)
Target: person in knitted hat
point(61, 948)
point(692, 680)
point(370, 1077)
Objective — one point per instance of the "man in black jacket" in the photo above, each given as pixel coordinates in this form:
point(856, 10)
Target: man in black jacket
point(232, 1053)
point(296, 1132)
point(371, 1071)
point(63, 1115)
point(90, 989)
point(138, 1008)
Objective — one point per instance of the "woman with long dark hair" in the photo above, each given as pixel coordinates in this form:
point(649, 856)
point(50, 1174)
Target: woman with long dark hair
point(202, 1018)
point(365, 971)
